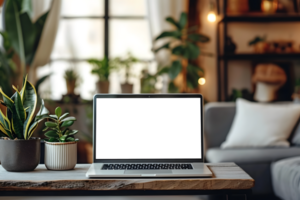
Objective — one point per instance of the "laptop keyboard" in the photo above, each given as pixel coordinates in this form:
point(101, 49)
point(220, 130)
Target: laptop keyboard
point(147, 166)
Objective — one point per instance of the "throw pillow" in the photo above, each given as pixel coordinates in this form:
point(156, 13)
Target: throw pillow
point(261, 124)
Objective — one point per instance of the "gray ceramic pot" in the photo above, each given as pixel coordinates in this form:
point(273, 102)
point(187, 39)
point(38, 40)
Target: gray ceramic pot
point(20, 155)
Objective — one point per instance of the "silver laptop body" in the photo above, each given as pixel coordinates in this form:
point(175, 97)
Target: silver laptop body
point(148, 135)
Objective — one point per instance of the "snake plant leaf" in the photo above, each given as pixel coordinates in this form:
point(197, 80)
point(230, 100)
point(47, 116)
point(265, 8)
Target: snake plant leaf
point(19, 107)
point(172, 21)
point(22, 92)
point(50, 124)
point(4, 120)
point(63, 116)
point(67, 124)
point(69, 119)
point(165, 46)
point(175, 69)
point(183, 20)
point(42, 114)
point(173, 34)
point(32, 129)
point(8, 101)
point(5, 131)
point(51, 134)
point(58, 112)
point(45, 129)
point(30, 100)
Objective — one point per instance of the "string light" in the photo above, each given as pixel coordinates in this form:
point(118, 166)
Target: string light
point(201, 81)
point(211, 17)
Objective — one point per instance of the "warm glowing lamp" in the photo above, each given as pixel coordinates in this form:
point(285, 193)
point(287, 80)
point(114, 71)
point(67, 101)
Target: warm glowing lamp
point(201, 81)
point(211, 17)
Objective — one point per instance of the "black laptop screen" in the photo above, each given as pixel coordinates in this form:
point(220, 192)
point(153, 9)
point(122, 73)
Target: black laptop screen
point(148, 128)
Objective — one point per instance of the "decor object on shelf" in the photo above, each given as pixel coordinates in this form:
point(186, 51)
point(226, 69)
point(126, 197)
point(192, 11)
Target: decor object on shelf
point(282, 46)
point(260, 125)
point(60, 145)
point(243, 93)
point(20, 152)
point(259, 44)
point(237, 6)
point(102, 68)
point(269, 78)
point(71, 78)
point(183, 47)
point(31, 41)
point(230, 46)
point(127, 65)
point(269, 6)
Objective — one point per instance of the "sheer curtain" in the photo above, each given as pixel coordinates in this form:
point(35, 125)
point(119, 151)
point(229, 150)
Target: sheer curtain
point(158, 10)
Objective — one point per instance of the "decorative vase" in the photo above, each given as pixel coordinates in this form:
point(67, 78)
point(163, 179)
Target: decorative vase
point(127, 88)
point(60, 155)
point(102, 86)
point(20, 155)
point(269, 6)
point(71, 86)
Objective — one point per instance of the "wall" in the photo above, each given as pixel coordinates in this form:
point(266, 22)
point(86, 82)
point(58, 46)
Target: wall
point(239, 72)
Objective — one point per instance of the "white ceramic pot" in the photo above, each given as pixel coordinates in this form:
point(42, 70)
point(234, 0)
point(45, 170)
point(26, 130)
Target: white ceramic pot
point(60, 155)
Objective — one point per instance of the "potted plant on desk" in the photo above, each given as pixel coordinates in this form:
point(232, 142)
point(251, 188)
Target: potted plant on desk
point(18, 150)
point(71, 78)
point(60, 145)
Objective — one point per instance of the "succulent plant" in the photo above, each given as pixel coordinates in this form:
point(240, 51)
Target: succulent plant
point(71, 75)
point(19, 121)
point(58, 127)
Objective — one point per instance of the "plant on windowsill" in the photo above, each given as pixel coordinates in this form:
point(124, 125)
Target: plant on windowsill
point(183, 45)
point(18, 150)
point(127, 65)
point(71, 78)
point(102, 68)
point(60, 144)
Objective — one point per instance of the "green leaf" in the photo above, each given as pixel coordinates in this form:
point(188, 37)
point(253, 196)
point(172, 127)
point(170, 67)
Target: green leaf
point(198, 38)
point(50, 124)
point(193, 76)
point(63, 116)
point(58, 112)
point(6, 41)
point(173, 34)
point(179, 50)
point(67, 123)
point(4, 121)
point(70, 139)
point(19, 107)
point(192, 51)
point(172, 88)
point(73, 132)
point(183, 20)
point(175, 69)
point(51, 134)
point(165, 46)
point(45, 128)
point(53, 116)
point(163, 70)
point(52, 140)
point(42, 114)
point(69, 119)
point(63, 138)
point(26, 7)
point(30, 101)
point(172, 21)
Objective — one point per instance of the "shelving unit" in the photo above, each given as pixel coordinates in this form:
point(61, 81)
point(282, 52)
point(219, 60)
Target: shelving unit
point(224, 58)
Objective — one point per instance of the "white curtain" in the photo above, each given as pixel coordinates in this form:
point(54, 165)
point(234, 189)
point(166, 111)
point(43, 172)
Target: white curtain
point(158, 10)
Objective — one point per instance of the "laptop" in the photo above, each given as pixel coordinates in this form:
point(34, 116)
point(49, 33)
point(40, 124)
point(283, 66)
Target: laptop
point(148, 135)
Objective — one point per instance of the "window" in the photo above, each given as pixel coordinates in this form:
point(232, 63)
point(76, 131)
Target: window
point(94, 29)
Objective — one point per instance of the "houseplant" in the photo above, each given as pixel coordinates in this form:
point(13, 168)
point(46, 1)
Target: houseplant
point(183, 45)
point(18, 150)
point(60, 145)
point(102, 68)
point(71, 78)
point(127, 63)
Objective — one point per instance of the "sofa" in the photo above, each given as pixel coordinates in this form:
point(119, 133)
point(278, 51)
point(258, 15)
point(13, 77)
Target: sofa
point(260, 163)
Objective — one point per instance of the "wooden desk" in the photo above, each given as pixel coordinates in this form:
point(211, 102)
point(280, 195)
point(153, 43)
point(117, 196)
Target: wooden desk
point(228, 179)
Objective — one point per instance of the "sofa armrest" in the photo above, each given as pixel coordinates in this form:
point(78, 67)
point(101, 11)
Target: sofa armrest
point(218, 117)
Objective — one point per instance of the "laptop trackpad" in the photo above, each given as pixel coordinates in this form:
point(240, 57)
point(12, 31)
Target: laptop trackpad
point(148, 172)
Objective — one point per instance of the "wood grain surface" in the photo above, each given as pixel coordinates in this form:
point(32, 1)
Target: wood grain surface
point(225, 176)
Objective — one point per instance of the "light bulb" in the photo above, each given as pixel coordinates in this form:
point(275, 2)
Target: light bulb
point(211, 17)
point(201, 81)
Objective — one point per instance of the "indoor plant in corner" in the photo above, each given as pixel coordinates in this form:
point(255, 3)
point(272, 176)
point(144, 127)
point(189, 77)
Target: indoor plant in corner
point(60, 145)
point(18, 150)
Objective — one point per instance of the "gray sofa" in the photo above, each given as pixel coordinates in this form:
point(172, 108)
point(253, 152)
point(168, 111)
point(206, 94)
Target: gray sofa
point(257, 162)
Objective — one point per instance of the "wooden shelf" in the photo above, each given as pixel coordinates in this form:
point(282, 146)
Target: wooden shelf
point(293, 56)
point(262, 18)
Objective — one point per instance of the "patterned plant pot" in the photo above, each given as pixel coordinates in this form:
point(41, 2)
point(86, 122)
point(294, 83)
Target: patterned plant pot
point(60, 155)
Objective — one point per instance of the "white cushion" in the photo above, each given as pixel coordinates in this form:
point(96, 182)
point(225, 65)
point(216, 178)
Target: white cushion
point(261, 124)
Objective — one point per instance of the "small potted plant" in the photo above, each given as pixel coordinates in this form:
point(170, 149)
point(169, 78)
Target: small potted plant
point(60, 144)
point(259, 43)
point(127, 65)
point(102, 68)
point(71, 78)
point(18, 150)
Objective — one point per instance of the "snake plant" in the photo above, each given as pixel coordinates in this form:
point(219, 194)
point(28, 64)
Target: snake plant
point(19, 121)
point(59, 127)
